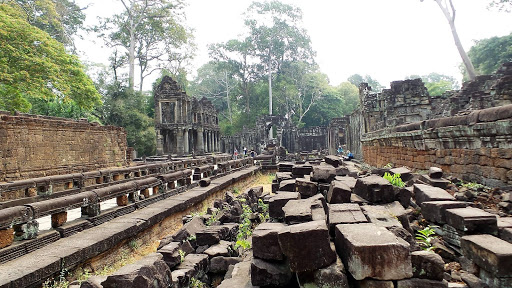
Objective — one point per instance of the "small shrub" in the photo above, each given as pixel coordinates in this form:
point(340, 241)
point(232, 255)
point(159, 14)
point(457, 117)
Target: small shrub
point(182, 255)
point(195, 283)
point(394, 179)
point(425, 237)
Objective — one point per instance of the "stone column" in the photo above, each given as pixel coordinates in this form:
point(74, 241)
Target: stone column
point(200, 141)
point(179, 142)
point(185, 141)
point(58, 219)
point(207, 142)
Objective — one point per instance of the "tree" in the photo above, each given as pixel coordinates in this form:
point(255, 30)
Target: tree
point(61, 19)
point(35, 66)
point(489, 54)
point(357, 79)
point(277, 37)
point(449, 12)
point(501, 5)
point(149, 30)
point(436, 83)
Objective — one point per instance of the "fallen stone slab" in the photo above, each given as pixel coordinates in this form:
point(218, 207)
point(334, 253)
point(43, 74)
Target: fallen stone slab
point(265, 242)
point(347, 180)
point(371, 251)
point(424, 193)
point(489, 252)
point(307, 255)
point(333, 160)
point(190, 228)
point(213, 234)
point(171, 252)
point(287, 185)
point(223, 248)
point(494, 281)
point(370, 283)
point(240, 277)
point(330, 276)
point(198, 262)
point(305, 187)
point(375, 189)
point(472, 280)
point(436, 182)
point(435, 173)
point(264, 273)
point(405, 173)
point(427, 265)
point(277, 202)
point(298, 171)
point(472, 220)
point(339, 192)
point(323, 174)
point(386, 215)
point(93, 282)
point(280, 176)
point(220, 264)
point(421, 283)
point(435, 211)
point(347, 213)
point(148, 272)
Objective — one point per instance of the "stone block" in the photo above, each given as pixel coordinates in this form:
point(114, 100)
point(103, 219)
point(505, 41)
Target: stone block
point(211, 235)
point(93, 282)
point(489, 253)
point(339, 192)
point(472, 220)
point(199, 263)
point(58, 219)
point(265, 273)
point(150, 271)
point(220, 264)
point(297, 211)
point(333, 160)
point(435, 211)
point(287, 185)
point(424, 193)
point(370, 283)
point(301, 170)
point(223, 248)
point(506, 234)
point(440, 183)
point(386, 215)
point(370, 251)
point(427, 265)
point(190, 228)
point(265, 242)
point(403, 195)
point(6, 237)
point(375, 189)
point(323, 174)
point(307, 255)
point(122, 200)
point(330, 276)
point(435, 173)
point(405, 173)
point(493, 281)
point(347, 213)
point(421, 283)
point(277, 202)
point(472, 280)
point(171, 254)
point(349, 181)
point(26, 231)
point(305, 187)
point(280, 176)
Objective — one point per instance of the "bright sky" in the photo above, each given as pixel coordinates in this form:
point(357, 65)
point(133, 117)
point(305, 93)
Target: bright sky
point(387, 40)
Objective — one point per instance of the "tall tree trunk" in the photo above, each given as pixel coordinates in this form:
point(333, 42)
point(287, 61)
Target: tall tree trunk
point(227, 99)
point(131, 56)
point(451, 20)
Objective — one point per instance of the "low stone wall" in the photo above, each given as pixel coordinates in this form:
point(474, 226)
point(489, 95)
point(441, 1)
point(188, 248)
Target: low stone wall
point(34, 146)
point(474, 147)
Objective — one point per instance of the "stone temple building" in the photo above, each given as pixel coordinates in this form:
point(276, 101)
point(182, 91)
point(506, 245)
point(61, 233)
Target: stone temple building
point(184, 125)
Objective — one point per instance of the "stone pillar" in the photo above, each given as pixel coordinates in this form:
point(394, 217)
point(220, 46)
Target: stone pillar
point(26, 231)
point(206, 147)
point(145, 192)
point(122, 200)
point(185, 141)
point(179, 142)
point(210, 147)
point(58, 219)
point(91, 210)
point(6, 237)
point(200, 141)
point(156, 189)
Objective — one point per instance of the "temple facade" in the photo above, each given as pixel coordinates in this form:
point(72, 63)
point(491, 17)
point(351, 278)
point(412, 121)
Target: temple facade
point(184, 125)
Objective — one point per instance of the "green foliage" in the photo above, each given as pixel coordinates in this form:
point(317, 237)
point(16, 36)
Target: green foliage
point(357, 79)
point(394, 179)
point(182, 255)
point(195, 283)
point(134, 245)
point(425, 237)
point(501, 5)
point(489, 54)
point(436, 83)
point(472, 185)
point(11, 100)
point(263, 210)
point(244, 229)
point(128, 109)
point(35, 66)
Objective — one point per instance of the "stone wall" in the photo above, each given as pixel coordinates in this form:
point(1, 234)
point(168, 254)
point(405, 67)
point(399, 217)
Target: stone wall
point(475, 147)
point(34, 146)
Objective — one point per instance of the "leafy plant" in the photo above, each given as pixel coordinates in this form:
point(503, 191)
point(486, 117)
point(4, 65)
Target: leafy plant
point(182, 255)
point(425, 237)
point(195, 283)
point(389, 165)
point(472, 185)
point(263, 208)
point(244, 229)
point(394, 179)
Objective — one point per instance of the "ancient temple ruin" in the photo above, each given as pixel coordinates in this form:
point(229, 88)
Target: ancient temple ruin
point(184, 125)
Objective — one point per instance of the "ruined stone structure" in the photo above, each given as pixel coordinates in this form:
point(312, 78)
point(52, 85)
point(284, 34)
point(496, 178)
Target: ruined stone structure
point(287, 135)
point(336, 134)
point(35, 146)
point(184, 125)
point(458, 131)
